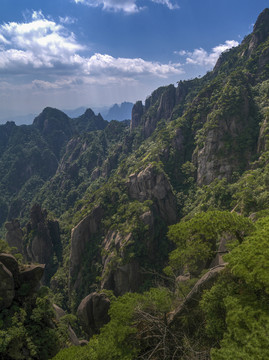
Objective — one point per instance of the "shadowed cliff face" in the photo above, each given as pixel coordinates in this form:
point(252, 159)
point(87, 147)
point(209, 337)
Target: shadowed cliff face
point(43, 241)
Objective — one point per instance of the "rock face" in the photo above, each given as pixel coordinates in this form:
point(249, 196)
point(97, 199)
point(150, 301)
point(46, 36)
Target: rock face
point(7, 290)
point(215, 158)
point(260, 31)
point(14, 235)
point(137, 113)
point(82, 235)
point(14, 281)
point(11, 264)
point(93, 312)
point(119, 278)
point(43, 239)
point(153, 184)
point(148, 184)
point(59, 313)
point(31, 276)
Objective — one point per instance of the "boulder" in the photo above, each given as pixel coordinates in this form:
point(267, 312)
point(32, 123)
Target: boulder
point(30, 278)
point(7, 291)
point(11, 264)
point(93, 312)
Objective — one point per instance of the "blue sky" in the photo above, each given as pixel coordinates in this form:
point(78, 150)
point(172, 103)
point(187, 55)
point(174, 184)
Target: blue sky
point(71, 53)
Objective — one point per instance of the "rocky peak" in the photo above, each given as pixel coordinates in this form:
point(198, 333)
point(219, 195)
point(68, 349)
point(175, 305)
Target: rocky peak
point(167, 102)
point(55, 127)
point(52, 119)
point(137, 112)
point(89, 122)
point(260, 30)
point(88, 113)
point(43, 240)
point(262, 23)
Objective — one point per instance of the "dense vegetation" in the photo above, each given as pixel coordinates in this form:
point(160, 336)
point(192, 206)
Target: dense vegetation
point(154, 211)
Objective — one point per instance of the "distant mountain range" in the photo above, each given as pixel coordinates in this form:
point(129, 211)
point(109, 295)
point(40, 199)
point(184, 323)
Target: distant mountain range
point(115, 112)
point(118, 112)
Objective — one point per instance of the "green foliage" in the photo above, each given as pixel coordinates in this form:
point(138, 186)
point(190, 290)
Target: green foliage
point(29, 331)
point(196, 239)
point(119, 339)
point(237, 306)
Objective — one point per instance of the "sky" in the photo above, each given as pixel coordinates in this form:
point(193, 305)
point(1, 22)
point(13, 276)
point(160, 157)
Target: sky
point(93, 53)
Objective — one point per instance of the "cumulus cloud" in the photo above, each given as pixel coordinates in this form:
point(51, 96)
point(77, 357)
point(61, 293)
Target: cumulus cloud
point(42, 46)
point(127, 6)
point(206, 59)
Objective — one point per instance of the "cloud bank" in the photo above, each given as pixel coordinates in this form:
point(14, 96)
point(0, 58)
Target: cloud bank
point(44, 46)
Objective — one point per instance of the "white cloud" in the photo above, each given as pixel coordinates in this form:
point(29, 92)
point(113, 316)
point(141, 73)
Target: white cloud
point(42, 46)
point(206, 59)
point(127, 6)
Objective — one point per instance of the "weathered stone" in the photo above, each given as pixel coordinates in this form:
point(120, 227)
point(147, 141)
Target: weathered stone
point(81, 235)
point(7, 291)
point(152, 184)
point(122, 279)
point(74, 340)
point(167, 103)
point(43, 240)
point(59, 313)
point(93, 312)
point(213, 160)
point(12, 265)
point(137, 113)
point(14, 235)
point(30, 277)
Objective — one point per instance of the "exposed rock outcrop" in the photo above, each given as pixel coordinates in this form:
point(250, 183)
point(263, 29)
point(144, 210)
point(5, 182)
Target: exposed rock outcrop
point(151, 183)
point(82, 235)
point(7, 290)
point(14, 235)
point(214, 159)
point(59, 313)
point(43, 239)
point(16, 282)
point(260, 31)
point(55, 127)
point(137, 113)
point(31, 277)
point(93, 312)
point(12, 265)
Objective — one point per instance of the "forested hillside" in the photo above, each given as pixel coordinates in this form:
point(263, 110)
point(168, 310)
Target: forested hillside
point(154, 232)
